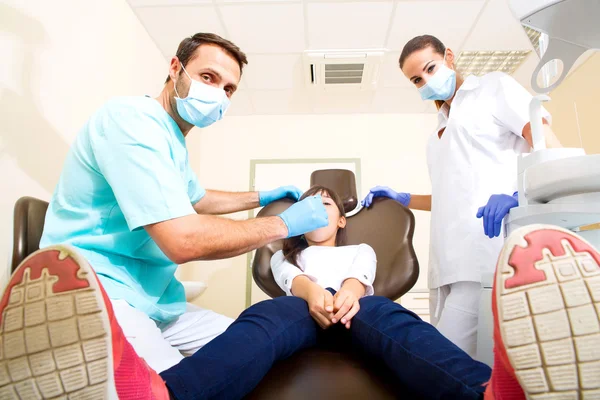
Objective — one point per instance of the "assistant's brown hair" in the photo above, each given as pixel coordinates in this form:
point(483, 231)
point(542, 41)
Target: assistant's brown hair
point(419, 43)
point(187, 48)
point(292, 247)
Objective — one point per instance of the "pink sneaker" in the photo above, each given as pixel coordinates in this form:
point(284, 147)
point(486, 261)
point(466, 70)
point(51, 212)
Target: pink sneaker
point(59, 337)
point(546, 303)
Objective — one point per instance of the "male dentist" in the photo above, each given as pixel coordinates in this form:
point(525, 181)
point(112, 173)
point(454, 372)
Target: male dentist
point(128, 201)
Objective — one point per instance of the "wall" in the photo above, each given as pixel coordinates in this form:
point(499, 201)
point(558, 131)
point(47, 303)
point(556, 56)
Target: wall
point(61, 60)
point(66, 57)
point(582, 88)
point(391, 149)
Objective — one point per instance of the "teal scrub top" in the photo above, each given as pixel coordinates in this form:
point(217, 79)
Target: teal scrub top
point(129, 167)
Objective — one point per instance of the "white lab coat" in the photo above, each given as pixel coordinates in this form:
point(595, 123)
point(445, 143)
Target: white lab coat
point(475, 158)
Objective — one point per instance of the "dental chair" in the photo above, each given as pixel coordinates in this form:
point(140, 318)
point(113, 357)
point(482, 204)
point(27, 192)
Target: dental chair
point(28, 225)
point(325, 373)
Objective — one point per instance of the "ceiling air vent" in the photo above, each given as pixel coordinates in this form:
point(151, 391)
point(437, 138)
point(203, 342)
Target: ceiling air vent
point(342, 70)
point(339, 74)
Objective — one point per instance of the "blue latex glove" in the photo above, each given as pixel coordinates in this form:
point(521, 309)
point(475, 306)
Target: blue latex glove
point(290, 192)
point(384, 191)
point(305, 216)
point(494, 212)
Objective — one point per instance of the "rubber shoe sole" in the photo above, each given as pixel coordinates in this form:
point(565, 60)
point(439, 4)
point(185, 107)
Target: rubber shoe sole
point(55, 335)
point(548, 305)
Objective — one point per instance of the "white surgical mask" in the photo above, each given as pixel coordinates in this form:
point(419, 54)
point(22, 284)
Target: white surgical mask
point(441, 86)
point(204, 104)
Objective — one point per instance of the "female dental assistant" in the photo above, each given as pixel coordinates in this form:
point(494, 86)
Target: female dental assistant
point(483, 124)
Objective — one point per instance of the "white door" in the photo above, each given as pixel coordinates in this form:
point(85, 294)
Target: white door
point(272, 174)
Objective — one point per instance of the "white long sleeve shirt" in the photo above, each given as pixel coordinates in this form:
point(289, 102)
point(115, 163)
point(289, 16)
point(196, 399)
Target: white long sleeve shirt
point(328, 267)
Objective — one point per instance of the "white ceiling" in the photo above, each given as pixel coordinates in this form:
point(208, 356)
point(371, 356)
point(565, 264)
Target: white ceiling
point(274, 33)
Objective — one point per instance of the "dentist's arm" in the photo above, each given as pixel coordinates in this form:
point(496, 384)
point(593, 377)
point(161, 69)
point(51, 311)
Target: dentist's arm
point(512, 111)
point(217, 202)
point(552, 141)
point(208, 237)
point(420, 202)
point(415, 202)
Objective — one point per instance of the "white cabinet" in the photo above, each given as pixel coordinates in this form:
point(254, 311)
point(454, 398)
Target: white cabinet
point(417, 301)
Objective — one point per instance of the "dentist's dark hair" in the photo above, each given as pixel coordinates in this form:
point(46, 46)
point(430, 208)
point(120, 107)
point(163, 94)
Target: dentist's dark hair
point(187, 49)
point(419, 43)
point(292, 247)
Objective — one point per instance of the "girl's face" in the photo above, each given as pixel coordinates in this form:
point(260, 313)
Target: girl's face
point(336, 221)
point(422, 64)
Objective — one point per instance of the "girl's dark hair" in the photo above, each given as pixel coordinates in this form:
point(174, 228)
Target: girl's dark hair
point(292, 247)
point(420, 43)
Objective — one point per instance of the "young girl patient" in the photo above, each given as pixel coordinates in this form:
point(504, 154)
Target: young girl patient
point(336, 281)
point(316, 265)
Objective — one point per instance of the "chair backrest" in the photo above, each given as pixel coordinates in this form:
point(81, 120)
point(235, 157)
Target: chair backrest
point(29, 216)
point(341, 181)
point(387, 226)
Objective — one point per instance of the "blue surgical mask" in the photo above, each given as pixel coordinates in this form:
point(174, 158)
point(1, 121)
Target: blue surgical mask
point(441, 86)
point(204, 104)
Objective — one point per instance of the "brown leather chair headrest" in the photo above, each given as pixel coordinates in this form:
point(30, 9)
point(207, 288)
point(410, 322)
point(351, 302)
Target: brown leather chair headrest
point(341, 181)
